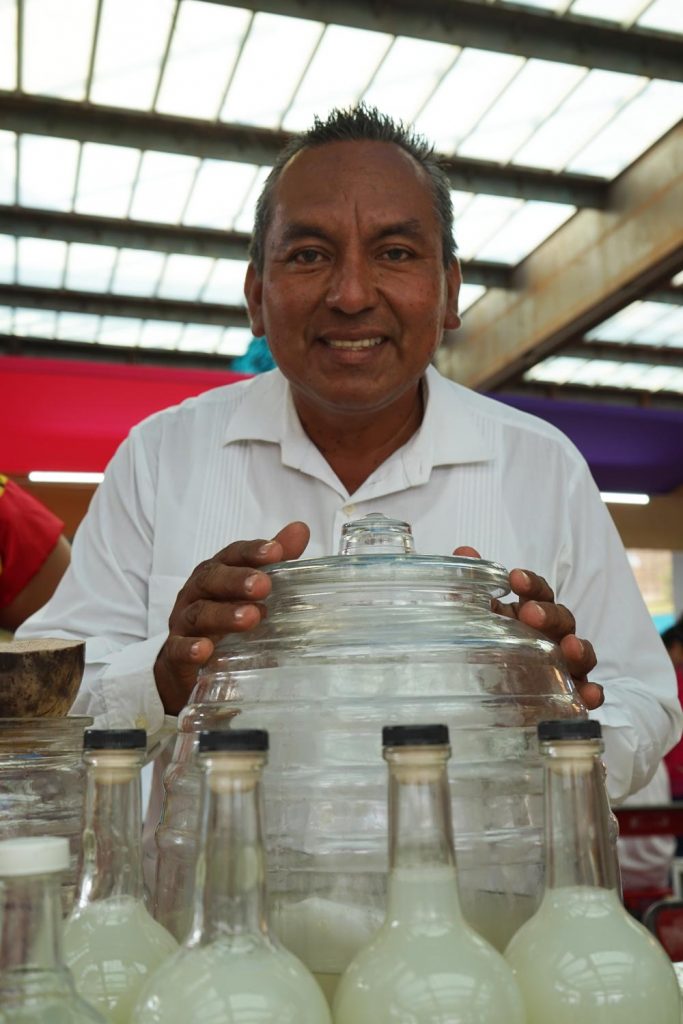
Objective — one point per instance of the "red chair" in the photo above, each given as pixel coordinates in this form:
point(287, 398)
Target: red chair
point(665, 920)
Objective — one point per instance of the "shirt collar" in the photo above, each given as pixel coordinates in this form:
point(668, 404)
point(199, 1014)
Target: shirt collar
point(448, 435)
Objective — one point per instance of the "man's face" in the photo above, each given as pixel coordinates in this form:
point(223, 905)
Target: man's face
point(354, 295)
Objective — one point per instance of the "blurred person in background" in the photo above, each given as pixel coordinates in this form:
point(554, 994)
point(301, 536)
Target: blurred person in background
point(673, 641)
point(34, 554)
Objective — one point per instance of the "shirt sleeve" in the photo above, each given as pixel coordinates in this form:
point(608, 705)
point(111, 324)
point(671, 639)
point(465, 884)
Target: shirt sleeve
point(641, 715)
point(103, 597)
point(28, 535)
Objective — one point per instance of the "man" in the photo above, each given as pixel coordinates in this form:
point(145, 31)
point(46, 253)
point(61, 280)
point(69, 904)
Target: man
point(353, 279)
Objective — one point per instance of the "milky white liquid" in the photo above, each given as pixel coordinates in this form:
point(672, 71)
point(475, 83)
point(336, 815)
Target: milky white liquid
point(112, 946)
point(581, 958)
point(232, 981)
point(427, 966)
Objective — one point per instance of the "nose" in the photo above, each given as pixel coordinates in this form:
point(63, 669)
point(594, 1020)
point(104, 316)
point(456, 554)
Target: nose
point(351, 288)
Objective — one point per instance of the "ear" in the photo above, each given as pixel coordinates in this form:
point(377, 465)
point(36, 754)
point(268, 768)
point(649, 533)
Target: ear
point(451, 320)
point(253, 292)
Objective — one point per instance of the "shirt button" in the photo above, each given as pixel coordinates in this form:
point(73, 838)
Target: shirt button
point(349, 510)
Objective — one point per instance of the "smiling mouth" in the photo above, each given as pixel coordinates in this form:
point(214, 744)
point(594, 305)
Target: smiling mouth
point(354, 345)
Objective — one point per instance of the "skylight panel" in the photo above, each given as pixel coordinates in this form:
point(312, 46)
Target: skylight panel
point(479, 76)
point(525, 230)
point(204, 48)
point(34, 323)
point(137, 272)
point(47, 172)
point(8, 44)
point(40, 262)
point(408, 76)
point(633, 130)
point(282, 45)
point(56, 46)
point(119, 330)
point(235, 341)
point(244, 221)
point(630, 375)
point(8, 166)
point(555, 370)
point(629, 322)
point(226, 283)
point(200, 338)
point(585, 111)
point(665, 378)
point(184, 276)
point(344, 63)
point(163, 334)
point(89, 267)
point(667, 331)
point(677, 281)
point(219, 191)
point(163, 186)
point(481, 220)
point(534, 94)
point(596, 372)
point(8, 256)
point(469, 294)
point(106, 178)
point(77, 326)
point(130, 47)
point(6, 320)
point(621, 11)
point(665, 15)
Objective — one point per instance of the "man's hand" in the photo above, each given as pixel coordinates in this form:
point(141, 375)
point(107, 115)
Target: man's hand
point(537, 608)
point(223, 595)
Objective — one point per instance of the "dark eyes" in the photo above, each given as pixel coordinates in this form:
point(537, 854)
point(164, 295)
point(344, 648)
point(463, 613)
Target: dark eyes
point(395, 254)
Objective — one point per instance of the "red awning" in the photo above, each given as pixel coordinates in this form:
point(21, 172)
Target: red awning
point(71, 415)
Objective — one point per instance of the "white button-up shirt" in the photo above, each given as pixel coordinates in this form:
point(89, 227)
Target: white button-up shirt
point(235, 463)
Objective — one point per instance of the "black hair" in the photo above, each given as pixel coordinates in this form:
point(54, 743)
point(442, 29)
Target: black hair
point(358, 124)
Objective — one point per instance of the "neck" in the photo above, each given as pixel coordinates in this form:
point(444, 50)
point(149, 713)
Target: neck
point(31, 926)
point(112, 837)
point(422, 880)
point(356, 443)
point(576, 827)
point(230, 892)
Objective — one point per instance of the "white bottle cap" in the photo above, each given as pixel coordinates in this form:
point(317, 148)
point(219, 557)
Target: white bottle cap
point(37, 855)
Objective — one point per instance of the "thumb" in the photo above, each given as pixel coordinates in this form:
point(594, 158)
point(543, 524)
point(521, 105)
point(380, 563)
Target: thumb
point(294, 538)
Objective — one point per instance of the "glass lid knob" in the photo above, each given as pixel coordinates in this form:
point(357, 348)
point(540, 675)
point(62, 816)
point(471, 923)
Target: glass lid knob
point(376, 534)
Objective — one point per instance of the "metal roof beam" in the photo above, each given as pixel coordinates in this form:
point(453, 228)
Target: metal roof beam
point(23, 222)
point(65, 301)
point(146, 130)
point(599, 395)
point(49, 348)
point(589, 269)
point(571, 40)
point(648, 355)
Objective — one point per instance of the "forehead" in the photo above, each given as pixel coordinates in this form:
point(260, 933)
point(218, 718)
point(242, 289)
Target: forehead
point(376, 181)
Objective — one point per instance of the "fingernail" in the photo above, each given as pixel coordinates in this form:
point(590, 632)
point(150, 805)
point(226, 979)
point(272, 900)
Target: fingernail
point(524, 576)
point(266, 548)
point(239, 613)
point(194, 650)
point(250, 582)
point(540, 611)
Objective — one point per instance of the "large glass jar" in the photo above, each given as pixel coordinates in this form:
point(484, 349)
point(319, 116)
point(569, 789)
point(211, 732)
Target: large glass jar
point(42, 783)
point(375, 636)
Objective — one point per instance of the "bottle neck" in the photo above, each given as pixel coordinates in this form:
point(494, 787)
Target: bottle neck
point(577, 843)
point(31, 925)
point(421, 852)
point(230, 889)
point(111, 858)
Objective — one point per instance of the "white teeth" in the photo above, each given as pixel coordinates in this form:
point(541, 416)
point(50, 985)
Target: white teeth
point(353, 345)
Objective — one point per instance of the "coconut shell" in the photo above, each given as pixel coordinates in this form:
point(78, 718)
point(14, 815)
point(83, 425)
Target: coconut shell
point(39, 678)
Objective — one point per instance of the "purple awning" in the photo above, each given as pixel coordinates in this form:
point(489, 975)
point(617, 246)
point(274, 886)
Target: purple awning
point(628, 448)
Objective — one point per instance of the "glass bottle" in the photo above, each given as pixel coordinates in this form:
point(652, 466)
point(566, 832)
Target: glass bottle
point(581, 956)
point(426, 965)
point(36, 987)
point(231, 969)
point(111, 943)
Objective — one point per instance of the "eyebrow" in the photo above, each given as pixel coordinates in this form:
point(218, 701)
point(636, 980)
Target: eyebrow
point(410, 228)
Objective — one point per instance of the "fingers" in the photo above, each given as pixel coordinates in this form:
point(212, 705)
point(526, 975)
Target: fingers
point(175, 669)
point(467, 551)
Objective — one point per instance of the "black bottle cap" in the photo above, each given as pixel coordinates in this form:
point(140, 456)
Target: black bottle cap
point(114, 739)
point(569, 729)
point(414, 735)
point(233, 739)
